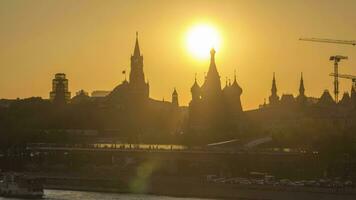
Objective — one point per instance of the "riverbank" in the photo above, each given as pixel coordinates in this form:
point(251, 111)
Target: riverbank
point(194, 187)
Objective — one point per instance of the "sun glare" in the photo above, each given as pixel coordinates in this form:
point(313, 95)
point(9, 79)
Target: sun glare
point(200, 39)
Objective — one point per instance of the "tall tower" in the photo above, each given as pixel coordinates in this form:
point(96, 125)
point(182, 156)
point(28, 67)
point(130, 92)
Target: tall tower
point(301, 98)
point(274, 98)
point(60, 93)
point(301, 86)
point(175, 98)
point(212, 86)
point(138, 87)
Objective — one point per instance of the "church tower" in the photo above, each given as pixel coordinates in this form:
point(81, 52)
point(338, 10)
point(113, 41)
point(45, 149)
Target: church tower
point(301, 98)
point(138, 87)
point(274, 98)
point(211, 89)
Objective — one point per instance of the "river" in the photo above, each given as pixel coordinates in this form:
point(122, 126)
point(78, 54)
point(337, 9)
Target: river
point(78, 195)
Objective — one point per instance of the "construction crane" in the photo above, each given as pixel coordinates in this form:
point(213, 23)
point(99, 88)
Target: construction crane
point(336, 60)
point(349, 42)
point(347, 76)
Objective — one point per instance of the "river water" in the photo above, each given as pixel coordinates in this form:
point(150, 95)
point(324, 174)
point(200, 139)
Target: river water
point(77, 195)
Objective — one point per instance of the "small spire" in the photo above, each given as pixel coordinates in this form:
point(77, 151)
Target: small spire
point(212, 71)
point(195, 78)
point(137, 47)
point(235, 75)
point(301, 85)
point(274, 85)
point(212, 58)
point(226, 82)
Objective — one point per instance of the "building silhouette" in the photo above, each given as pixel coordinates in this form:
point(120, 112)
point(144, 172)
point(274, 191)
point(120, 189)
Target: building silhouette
point(136, 89)
point(212, 109)
point(175, 98)
point(129, 107)
point(303, 115)
point(80, 97)
point(60, 93)
point(99, 93)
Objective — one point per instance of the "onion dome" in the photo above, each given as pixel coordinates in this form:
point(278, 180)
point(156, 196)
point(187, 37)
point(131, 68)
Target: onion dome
point(195, 87)
point(235, 86)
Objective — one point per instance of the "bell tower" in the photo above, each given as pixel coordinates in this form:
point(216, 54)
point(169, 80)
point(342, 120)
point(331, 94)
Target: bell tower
point(138, 87)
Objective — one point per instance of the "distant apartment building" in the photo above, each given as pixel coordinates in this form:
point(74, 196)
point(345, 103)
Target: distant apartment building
point(60, 93)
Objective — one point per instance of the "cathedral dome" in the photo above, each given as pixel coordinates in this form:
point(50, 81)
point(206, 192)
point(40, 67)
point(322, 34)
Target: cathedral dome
point(235, 87)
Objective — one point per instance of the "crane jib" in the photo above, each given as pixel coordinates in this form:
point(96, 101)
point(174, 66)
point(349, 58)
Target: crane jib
point(349, 42)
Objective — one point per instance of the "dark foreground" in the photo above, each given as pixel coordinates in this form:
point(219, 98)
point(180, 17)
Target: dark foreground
point(190, 187)
point(83, 195)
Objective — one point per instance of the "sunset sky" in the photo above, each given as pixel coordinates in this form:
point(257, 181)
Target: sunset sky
point(92, 40)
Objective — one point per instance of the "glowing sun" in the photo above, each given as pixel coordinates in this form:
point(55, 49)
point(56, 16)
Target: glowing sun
point(200, 39)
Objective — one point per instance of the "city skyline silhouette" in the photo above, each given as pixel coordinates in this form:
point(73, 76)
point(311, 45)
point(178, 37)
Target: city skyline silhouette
point(230, 99)
point(41, 39)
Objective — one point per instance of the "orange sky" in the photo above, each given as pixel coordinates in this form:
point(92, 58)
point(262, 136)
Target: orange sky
point(91, 41)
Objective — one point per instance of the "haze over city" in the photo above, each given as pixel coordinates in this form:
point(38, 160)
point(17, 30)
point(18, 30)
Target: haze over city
point(90, 41)
point(158, 99)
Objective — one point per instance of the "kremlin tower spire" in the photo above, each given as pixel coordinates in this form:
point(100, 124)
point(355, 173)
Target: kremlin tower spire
point(137, 47)
point(137, 81)
point(136, 74)
point(274, 99)
point(135, 90)
point(301, 86)
point(274, 85)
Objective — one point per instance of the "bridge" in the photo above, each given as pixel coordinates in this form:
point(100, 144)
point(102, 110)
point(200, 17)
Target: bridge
point(217, 158)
